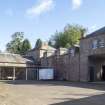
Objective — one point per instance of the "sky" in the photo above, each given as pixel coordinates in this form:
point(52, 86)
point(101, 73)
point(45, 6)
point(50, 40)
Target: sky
point(41, 18)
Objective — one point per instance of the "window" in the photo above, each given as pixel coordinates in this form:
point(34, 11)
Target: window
point(101, 43)
point(95, 44)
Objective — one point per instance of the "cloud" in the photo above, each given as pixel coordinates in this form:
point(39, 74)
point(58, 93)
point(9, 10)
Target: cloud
point(43, 6)
point(76, 4)
point(9, 12)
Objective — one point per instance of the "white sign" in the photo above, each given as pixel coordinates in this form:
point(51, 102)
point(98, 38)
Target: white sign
point(46, 74)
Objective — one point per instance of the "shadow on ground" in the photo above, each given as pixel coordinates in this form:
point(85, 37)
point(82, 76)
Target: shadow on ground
point(88, 85)
point(93, 100)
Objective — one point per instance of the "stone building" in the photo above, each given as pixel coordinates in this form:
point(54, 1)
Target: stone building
point(92, 56)
point(37, 54)
point(84, 63)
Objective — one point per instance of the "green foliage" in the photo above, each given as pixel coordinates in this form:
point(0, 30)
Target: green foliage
point(69, 37)
point(67, 45)
point(38, 44)
point(18, 45)
point(26, 46)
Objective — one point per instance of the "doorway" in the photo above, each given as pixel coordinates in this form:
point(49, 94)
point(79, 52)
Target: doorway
point(91, 72)
point(103, 73)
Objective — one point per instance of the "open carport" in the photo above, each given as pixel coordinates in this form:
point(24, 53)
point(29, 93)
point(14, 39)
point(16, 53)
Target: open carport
point(17, 67)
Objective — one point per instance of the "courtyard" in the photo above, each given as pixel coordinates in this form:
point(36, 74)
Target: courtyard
point(51, 93)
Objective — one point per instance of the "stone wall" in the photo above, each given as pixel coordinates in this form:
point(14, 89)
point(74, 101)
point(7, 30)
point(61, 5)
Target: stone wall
point(66, 66)
point(76, 67)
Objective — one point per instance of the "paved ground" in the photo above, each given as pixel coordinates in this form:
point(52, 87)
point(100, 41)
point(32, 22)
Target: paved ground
point(51, 93)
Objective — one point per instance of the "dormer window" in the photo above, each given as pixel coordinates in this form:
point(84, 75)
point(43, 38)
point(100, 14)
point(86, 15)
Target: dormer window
point(95, 44)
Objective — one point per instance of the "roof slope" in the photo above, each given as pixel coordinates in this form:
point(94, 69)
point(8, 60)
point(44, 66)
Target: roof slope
point(14, 58)
point(44, 47)
point(50, 48)
point(98, 32)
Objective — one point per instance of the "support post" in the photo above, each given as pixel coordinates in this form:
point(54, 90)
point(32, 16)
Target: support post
point(26, 74)
point(37, 73)
point(0, 74)
point(14, 73)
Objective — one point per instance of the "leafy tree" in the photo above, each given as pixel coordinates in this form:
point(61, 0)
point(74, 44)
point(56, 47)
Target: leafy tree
point(26, 46)
point(70, 36)
point(83, 31)
point(18, 45)
point(67, 45)
point(38, 44)
point(14, 46)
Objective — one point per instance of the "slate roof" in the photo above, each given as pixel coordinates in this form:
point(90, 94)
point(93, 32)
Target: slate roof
point(98, 32)
point(14, 58)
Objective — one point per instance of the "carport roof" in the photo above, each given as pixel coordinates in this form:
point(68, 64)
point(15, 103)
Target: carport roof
point(14, 58)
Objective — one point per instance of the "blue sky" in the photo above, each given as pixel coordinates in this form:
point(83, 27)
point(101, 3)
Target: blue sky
point(41, 18)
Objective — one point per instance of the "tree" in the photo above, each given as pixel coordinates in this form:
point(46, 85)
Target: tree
point(69, 37)
point(38, 44)
point(14, 46)
point(67, 45)
point(83, 31)
point(26, 46)
point(56, 39)
point(18, 45)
